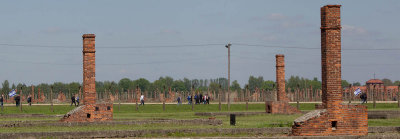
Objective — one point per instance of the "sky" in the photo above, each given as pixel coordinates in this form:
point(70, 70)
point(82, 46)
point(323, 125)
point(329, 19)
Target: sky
point(41, 41)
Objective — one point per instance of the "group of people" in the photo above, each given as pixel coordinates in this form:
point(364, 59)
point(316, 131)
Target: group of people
point(75, 100)
point(199, 99)
point(17, 100)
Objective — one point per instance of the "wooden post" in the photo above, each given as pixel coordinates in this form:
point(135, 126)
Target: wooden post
point(136, 99)
point(350, 93)
point(219, 98)
point(163, 101)
point(297, 98)
point(193, 98)
point(20, 99)
point(119, 100)
point(247, 97)
point(32, 94)
point(373, 96)
point(51, 99)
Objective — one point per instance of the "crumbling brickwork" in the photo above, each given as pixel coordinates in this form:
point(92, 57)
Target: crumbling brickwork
point(61, 97)
point(281, 106)
point(90, 111)
point(334, 118)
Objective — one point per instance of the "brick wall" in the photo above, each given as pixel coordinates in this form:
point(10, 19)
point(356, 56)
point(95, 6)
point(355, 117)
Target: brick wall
point(332, 117)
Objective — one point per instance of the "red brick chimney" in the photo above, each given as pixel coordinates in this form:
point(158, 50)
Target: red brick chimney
point(335, 117)
point(280, 78)
point(89, 69)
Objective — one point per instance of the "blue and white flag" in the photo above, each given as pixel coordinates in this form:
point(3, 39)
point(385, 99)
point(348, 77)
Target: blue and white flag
point(357, 92)
point(12, 93)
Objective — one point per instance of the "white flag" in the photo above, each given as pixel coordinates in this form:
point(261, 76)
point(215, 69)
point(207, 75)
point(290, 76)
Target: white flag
point(12, 93)
point(357, 92)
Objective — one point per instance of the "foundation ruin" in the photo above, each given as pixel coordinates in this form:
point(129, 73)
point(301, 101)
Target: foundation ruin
point(281, 106)
point(333, 117)
point(90, 111)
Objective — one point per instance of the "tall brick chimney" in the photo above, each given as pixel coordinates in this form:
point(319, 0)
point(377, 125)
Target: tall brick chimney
point(91, 111)
point(281, 106)
point(280, 78)
point(332, 117)
point(331, 59)
point(89, 69)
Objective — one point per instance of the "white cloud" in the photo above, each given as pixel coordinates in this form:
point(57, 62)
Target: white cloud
point(276, 17)
point(353, 30)
point(122, 71)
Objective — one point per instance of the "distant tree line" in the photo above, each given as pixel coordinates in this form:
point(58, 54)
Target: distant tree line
point(185, 84)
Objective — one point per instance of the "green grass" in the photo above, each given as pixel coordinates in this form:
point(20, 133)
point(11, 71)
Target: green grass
point(173, 111)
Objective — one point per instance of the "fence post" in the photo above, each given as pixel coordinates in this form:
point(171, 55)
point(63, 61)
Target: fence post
point(247, 97)
point(20, 100)
point(219, 98)
point(350, 93)
point(51, 99)
point(136, 99)
point(119, 99)
point(373, 96)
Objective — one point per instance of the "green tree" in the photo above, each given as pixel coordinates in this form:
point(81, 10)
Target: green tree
point(397, 83)
point(387, 82)
point(254, 82)
point(235, 86)
point(6, 87)
point(357, 84)
point(143, 84)
point(179, 85)
point(124, 83)
point(268, 85)
point(345, 84)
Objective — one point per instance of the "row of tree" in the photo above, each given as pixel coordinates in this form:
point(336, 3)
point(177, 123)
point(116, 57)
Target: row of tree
point(164, 83)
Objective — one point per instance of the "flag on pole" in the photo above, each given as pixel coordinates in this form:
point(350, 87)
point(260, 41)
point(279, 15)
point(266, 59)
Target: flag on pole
point(357, 92)
point(12, 93)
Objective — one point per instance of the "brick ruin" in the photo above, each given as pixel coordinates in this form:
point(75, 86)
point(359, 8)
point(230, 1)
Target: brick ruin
point(61, 97)
point(335, 117)
point(281, 106)
point(90, 111)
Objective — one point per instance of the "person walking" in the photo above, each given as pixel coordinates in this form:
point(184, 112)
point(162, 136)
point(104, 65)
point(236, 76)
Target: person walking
point(17, 100)
point(73, 100)
point(29, 100)
point(142, 100)
point(77, 100)
point(1, 99)
point(196, 98)
point(189, 98)
point(179, 100)
point(363, 98)
point(200, 98)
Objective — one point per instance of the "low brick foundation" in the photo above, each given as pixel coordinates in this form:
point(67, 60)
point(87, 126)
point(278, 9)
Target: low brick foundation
point(353, 120)
point(280, 107)
point(90, 113)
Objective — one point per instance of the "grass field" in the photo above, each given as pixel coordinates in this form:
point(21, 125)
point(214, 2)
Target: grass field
point(173, 111)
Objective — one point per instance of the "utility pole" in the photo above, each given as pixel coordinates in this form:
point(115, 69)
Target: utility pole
point(229, 74)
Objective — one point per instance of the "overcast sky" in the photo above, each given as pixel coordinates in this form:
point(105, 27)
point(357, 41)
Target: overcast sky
point(41, 41)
